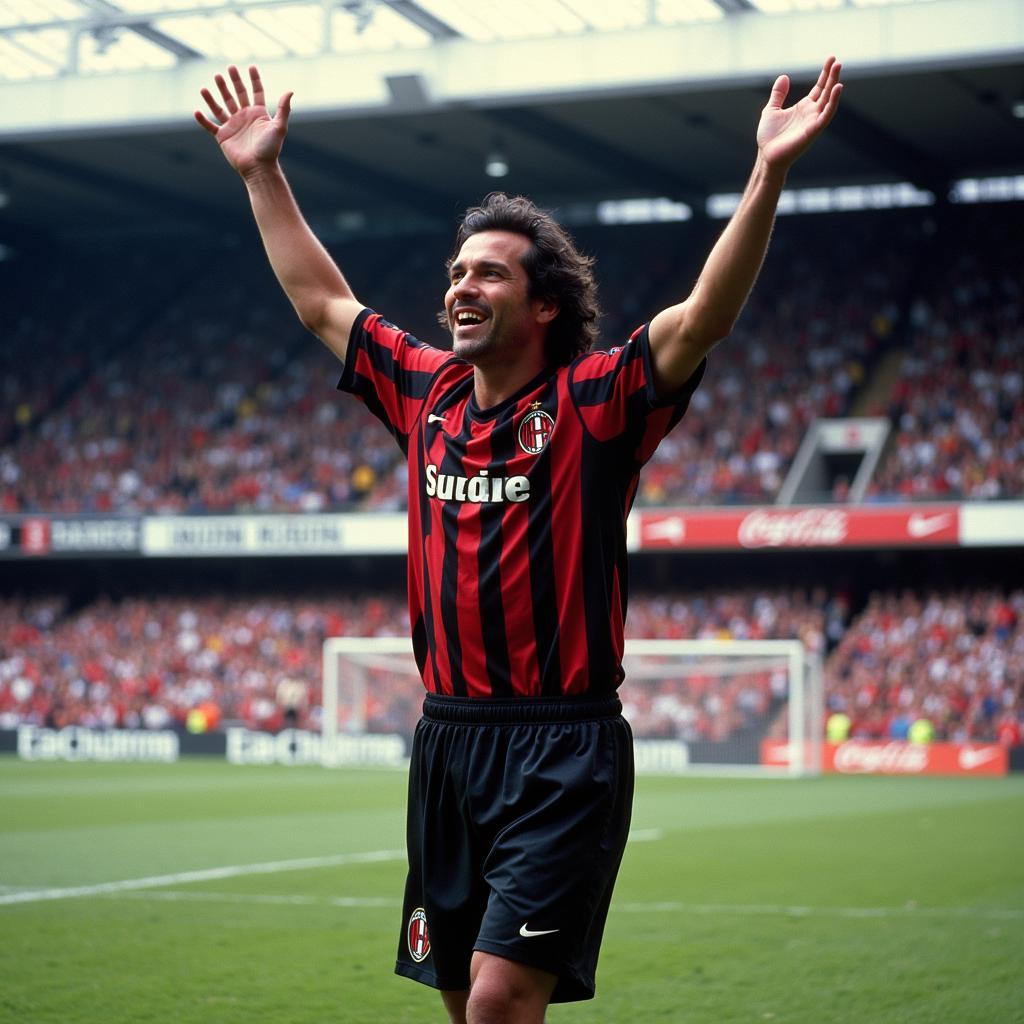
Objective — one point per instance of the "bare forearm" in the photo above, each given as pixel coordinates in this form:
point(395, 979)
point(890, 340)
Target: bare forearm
point(681, 335)
point(735, 261)
point(307, 273)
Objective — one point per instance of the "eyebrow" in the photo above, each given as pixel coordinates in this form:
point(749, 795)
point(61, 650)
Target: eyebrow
point(481, 265)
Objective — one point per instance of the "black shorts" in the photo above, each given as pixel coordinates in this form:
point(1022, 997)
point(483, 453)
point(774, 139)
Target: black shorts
point(518, 817)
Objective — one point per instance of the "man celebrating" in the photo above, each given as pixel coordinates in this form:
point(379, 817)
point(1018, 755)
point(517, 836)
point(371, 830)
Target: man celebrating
point(524, 452)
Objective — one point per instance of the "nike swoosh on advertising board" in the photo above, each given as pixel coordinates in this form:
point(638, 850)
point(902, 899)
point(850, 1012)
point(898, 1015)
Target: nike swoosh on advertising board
point(970, 758)
point(920, 525)
point(672, 528)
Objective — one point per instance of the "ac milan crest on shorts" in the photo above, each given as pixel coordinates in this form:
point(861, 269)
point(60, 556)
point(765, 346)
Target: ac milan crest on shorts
point(416, 935)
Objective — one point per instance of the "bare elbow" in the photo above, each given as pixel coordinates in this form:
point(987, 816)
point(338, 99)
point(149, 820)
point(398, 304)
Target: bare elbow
point(312, 324)
point(706, 324)
point(312, 316)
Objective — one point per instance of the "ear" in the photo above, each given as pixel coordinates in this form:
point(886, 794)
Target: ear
point(547, 311)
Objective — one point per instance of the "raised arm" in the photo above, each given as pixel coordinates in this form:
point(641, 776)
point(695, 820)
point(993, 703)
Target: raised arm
point(683, 334)
point(251, 142)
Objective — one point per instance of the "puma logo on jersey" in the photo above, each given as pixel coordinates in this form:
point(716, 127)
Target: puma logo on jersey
point(482, 489)
point(434, 418)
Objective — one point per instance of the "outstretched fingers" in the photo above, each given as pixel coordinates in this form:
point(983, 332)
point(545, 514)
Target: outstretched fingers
point(215, 108)
point(204, 122)
point(284, 108)
point(233, 100)
point(258, 96)
point(225, 92)
point(780, 90)
point(828, 111)
point(822, 93)
point(828, 100)
point(819, 86)
point(236, 81)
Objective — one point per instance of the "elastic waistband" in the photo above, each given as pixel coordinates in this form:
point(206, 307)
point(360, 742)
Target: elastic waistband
point(520, 711)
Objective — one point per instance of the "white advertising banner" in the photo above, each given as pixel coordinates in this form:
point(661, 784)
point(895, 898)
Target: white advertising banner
point(220, 536)
point(79, 743)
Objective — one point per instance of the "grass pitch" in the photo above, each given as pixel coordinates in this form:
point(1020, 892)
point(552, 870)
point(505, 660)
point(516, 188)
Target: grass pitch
point(203, 892)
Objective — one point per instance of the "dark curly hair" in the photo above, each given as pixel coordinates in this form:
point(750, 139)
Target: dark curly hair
point(557, 270)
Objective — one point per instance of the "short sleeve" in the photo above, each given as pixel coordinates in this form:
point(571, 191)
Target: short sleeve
point(390, 371)
point(615, 395)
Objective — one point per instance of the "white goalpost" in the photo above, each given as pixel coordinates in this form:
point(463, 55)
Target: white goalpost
point(712, 706)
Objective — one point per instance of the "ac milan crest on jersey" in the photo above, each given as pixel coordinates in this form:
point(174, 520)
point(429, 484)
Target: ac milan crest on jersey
point(416, 935)
point(535, 430)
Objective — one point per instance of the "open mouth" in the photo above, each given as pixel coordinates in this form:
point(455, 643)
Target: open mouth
point(467, 317)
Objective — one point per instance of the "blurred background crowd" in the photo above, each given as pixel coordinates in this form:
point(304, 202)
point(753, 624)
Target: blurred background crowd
point(954, 659)
point(184, 384)
point(196, 394)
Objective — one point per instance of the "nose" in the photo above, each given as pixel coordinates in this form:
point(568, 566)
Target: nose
point(466, 285)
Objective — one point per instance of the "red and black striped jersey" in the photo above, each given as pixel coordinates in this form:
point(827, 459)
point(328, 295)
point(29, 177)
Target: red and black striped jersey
point(517, 513)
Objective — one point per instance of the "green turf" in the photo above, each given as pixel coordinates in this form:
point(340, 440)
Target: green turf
point(854, 900)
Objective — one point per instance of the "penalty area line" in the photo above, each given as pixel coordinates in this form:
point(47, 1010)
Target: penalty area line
point(202, 875)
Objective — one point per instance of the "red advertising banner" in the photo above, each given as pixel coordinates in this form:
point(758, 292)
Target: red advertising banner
point(35, 536)
point(896, 757)
point(802, 527)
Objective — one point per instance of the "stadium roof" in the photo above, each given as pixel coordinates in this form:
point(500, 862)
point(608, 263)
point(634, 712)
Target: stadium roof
point(408, 129)
point(50, 38)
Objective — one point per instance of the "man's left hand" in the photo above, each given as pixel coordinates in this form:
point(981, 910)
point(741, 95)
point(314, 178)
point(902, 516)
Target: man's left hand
point(783, 135)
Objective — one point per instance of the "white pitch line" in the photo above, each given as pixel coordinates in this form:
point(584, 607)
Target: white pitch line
point(172, 896)
point(645, 835)
point(7, 898)
point(204, 875)
point(993, 913)
point(743, 909)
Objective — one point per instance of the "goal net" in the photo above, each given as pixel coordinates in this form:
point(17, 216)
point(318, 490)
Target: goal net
point(694, 705)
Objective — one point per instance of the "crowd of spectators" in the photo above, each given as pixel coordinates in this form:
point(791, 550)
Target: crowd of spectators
point(803, 347)
point(211, 398)
point(146, 663)
point(958, 406)
point(954, 658)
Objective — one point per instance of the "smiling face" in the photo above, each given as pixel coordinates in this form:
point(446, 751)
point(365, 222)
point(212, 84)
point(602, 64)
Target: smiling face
point(491, 316)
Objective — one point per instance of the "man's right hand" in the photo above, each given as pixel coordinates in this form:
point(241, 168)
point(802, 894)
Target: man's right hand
point(249, 138)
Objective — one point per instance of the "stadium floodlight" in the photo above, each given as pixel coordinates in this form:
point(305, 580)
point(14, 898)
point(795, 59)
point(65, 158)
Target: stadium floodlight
point(496, 165)
point(659, 210)
point(694, 705)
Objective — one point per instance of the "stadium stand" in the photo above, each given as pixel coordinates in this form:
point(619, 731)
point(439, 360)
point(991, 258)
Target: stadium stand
point(210, 399)
point(179, 394)
point(956, 658)
point(958, 405)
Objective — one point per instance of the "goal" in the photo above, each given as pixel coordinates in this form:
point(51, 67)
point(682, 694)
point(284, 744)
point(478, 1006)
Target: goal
point(694, 705)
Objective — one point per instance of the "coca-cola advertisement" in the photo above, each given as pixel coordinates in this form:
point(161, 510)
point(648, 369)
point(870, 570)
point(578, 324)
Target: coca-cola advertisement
point(809, 527)
point(897, 757)
point(805, 527)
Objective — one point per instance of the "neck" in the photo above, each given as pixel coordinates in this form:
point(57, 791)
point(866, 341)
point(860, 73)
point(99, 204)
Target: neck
point(492, 386)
